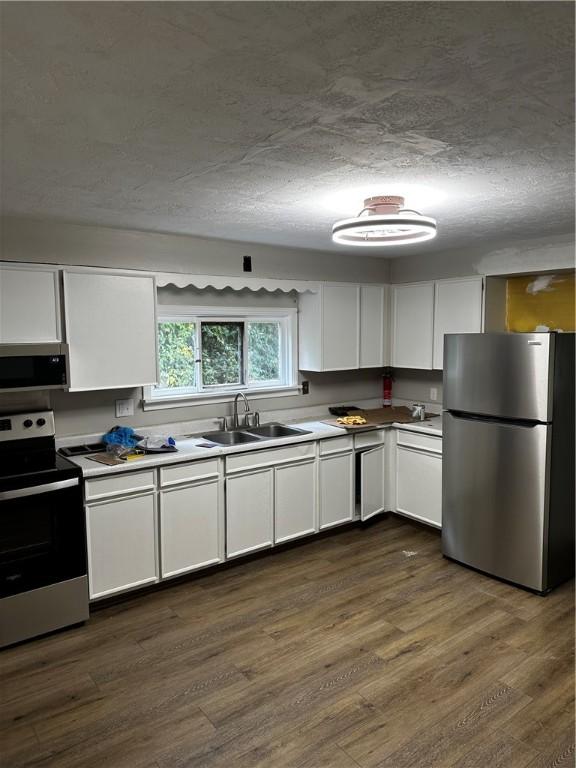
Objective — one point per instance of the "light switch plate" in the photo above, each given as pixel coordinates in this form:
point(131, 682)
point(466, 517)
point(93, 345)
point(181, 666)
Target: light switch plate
point(433, 394)
point(124, 408)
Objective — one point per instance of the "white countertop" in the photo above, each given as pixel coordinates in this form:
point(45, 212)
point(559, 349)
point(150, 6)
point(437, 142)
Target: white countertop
point(431, 426)
point(189, 448)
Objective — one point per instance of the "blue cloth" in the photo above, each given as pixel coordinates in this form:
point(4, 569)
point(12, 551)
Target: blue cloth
point(123, 436)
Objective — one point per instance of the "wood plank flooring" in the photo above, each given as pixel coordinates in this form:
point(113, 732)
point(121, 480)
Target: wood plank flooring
point(363, 649)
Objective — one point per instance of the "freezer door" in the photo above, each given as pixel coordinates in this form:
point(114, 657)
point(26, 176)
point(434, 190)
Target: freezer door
point(499, 374)
point(495, 497)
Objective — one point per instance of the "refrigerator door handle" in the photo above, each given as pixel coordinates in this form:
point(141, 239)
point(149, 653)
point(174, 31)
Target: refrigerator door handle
point(491, 420)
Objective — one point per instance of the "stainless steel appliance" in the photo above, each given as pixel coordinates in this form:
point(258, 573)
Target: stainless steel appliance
point(508, 455)
point(43, 573)
point(25, 367)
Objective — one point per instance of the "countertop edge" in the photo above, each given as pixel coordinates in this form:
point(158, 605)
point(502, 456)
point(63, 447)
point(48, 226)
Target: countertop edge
point(317, 431)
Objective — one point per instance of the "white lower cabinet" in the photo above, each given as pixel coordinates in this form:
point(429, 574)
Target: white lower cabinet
point(190, 527)
point(295, 507)
point(122, 544)
point(249, 512)
point(372, 467)
point(336, 475)
point(271, 496)
point(419, 479)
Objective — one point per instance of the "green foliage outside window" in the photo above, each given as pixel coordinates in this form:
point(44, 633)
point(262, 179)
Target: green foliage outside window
point(177, 348)
point(263, 352)
point(222, 353)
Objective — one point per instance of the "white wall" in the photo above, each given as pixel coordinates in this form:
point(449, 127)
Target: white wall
point(56, 242)
point(88, 412)
point(515, 257)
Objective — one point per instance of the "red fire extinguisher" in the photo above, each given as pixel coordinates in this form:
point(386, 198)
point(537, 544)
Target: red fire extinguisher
point(387, 379)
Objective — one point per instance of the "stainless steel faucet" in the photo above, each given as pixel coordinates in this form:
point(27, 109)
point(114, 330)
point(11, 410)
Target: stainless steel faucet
point(246, 408)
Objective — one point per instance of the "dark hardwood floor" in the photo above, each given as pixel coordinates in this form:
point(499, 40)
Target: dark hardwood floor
point(365, 648)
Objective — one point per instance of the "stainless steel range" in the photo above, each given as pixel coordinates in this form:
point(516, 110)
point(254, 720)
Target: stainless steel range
point(43, 573)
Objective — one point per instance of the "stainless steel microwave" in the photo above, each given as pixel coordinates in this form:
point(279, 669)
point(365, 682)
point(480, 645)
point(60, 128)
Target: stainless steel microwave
point(26, 367)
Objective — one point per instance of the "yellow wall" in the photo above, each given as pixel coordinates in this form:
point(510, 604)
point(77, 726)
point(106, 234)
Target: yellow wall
point(540, 300)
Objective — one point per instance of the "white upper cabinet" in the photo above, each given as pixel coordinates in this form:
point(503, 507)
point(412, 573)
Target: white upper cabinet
point(423, 312)
point(29, 305)
point(329, 323)
point(373, 326)
point(343, 327)
point(457, 309)
point(110, 329)
point(412, 325)
point(340, 327)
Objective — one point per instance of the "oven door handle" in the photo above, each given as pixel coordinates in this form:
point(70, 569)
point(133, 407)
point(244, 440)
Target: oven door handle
point(37, 489)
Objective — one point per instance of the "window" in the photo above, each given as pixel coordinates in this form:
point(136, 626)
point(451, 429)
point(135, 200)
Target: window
point(207, 351)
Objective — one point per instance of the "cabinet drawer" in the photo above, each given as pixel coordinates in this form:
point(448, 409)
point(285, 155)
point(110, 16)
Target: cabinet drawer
point(120, 484)
point(336, 445)
point(258, 459)
point(369, 439)
point(192, 470)
point(419, 441)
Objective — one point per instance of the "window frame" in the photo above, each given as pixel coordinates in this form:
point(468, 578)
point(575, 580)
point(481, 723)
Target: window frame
point(155, 397)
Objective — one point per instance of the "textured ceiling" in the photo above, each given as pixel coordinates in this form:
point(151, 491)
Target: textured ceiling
point(249, 121)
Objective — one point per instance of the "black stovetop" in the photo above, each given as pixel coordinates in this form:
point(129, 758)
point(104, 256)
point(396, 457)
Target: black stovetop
point(27, 463)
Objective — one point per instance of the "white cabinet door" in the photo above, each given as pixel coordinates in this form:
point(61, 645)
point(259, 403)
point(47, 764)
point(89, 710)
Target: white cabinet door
point(412, 325)
point(121, 544)
point(372, 465)
point(111, 329)
point(419, 485)
point(29, 305)
point(340, 327)
point(457, 309)
point(295, 501)
point(190, 527)
point(249, 512)
point(372, 326)
point(336, 489)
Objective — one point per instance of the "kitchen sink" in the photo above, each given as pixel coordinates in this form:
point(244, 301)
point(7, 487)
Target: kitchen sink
point(234, 437)
point(253, 434)
point(276, 430)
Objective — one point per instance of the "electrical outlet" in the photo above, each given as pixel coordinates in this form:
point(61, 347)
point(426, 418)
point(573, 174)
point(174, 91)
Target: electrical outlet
point(305, 387)
point(247, 263)
point(124, 408)
point(433, 394)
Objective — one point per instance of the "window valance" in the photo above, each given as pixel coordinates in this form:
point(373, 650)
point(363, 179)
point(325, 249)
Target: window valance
point(220, 282)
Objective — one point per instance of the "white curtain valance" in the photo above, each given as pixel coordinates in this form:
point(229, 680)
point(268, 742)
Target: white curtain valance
point(220, 282)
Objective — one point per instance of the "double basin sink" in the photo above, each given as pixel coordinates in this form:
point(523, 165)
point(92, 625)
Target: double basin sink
point(253, 434)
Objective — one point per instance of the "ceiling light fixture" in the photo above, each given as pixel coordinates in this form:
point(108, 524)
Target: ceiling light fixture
point(384, 221)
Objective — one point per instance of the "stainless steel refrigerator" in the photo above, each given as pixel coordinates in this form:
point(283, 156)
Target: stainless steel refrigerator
point(508, 455)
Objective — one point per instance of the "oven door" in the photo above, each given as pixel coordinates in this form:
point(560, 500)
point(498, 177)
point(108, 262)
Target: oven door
point(42, 536)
